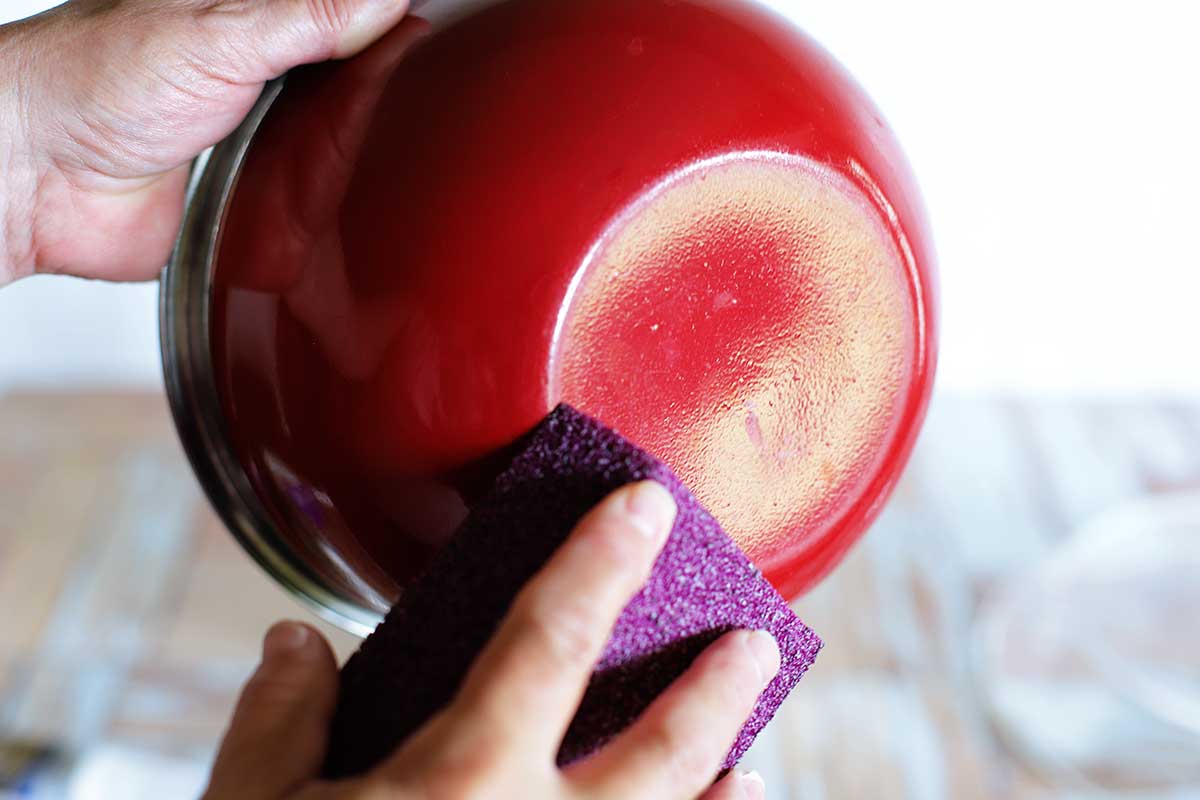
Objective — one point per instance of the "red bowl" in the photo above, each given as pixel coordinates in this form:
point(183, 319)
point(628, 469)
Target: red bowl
point(680, 216)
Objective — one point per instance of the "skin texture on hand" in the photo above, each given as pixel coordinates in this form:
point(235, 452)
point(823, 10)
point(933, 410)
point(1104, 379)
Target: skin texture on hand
point(499, 737)
point(113, 98)
point(110, 101)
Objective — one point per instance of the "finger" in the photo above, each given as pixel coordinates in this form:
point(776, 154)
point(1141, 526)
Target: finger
point(737, 785)
point(123, 94)
point(676, 747)
point(277, 738)
point(282, 34)
point(127, 89)
point(528, 682)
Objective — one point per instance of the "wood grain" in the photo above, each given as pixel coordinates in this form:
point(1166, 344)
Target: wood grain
point(130, 614)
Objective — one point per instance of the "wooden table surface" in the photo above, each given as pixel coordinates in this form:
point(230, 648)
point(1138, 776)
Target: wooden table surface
point(129, 617)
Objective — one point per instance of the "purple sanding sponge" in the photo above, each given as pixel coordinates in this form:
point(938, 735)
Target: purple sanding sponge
point(701, 587)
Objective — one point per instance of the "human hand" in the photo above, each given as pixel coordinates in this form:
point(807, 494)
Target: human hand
point(113, 98)
point(499, 737)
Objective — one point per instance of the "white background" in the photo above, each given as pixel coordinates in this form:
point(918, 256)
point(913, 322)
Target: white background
point(1058, 145)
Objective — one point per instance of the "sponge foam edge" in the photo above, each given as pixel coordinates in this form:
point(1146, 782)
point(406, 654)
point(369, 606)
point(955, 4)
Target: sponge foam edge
point(701, 586)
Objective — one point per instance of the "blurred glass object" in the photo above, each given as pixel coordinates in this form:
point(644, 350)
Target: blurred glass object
point(1089, 664)
point(32, 770)
point(27, 766)
point(113, 770)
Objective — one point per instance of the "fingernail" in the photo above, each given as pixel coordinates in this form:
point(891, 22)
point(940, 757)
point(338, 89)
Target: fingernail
point(283, 639)
point(752, 785)
point(765, 650)
point(651, 509)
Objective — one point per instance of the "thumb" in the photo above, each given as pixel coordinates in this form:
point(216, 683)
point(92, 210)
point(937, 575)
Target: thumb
point(132, 89)
point(281, 34)
point(276, 741)
point(123, 93)
point(737, 785)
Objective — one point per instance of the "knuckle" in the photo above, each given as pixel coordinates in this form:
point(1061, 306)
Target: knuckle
point(218, 18)
point(223, 7)
point(272, 691)
point(330, 17)
point(682, 752)
point(468, 773)
point(456, 756)
point(262, 694)
point(612, 546)
point(456, 787)
point(734, 677)
point(369, 788)
point(566, 628)
point(223, 46)
point(573, 632)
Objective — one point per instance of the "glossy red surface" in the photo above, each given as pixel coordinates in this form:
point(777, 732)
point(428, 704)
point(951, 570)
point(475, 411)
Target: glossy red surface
point(682, 217)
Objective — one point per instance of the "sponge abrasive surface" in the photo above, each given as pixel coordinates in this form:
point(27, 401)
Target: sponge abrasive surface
point(701, 587)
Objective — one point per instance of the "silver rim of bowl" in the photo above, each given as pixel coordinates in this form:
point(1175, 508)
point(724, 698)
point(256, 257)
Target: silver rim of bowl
point(184, 307)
